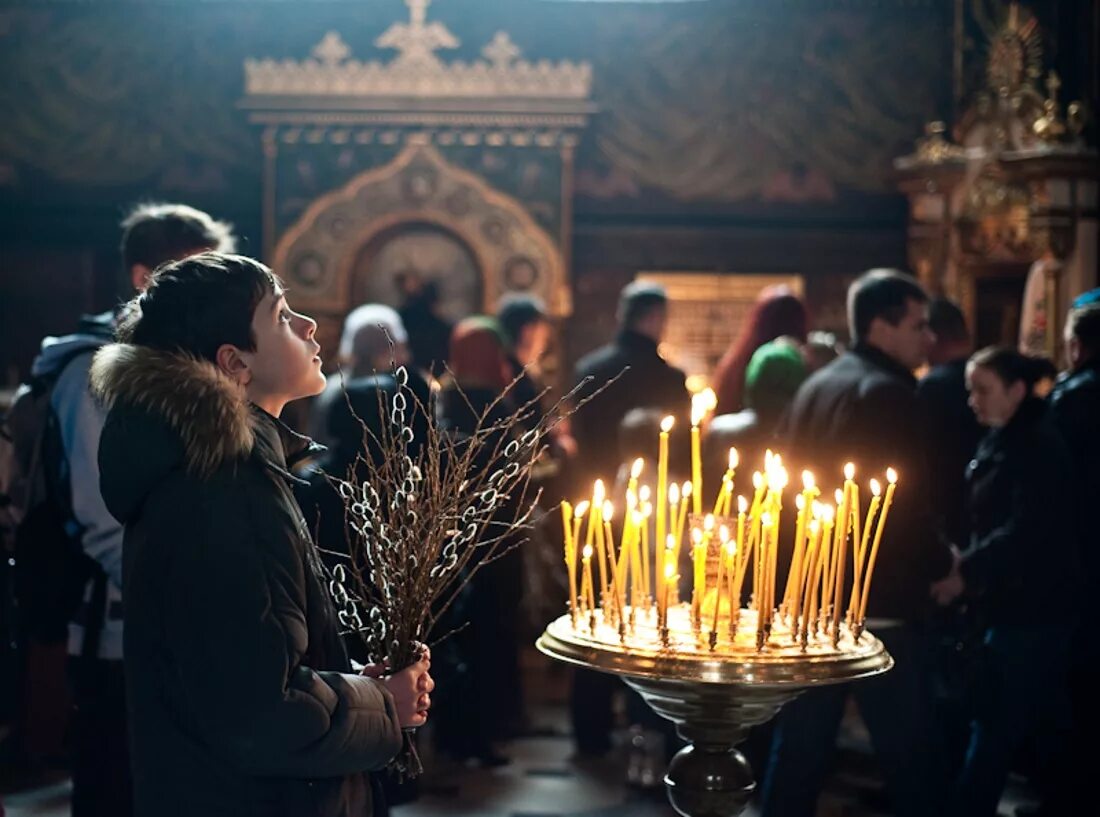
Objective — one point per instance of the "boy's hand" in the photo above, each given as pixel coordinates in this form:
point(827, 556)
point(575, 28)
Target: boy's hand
point(411, 689)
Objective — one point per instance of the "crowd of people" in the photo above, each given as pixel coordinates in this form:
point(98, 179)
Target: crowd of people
point(218, 681)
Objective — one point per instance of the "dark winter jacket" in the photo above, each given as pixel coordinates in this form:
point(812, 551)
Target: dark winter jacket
point(863, 408)
point(1075, 412)
point(239, 690)
point(648, 382)
point(1022, 562)
point(953, 435)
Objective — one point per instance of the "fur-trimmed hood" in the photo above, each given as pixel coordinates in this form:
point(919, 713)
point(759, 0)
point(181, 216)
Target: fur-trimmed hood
point(205, 408)
point(170, 412)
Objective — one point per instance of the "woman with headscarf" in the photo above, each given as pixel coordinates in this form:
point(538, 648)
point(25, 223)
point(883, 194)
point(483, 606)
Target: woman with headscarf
point(483, 659)
point(777, 312)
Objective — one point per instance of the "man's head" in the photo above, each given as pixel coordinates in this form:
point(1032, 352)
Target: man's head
point(374, 339)
point(526, 325)
point(952, 338)
point(154, 234)
point(887, 309)
point(643, 308)
point(231, 311)
point(1082, 335)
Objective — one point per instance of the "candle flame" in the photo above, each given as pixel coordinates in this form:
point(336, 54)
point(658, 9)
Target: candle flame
point(891, 475)
point(669, 570)
point(696, 536)
point(644, 493)
point(666, 424)
point(757, 480)
point(818, 509)
point(828, 513)
point(731, 547)
point(647, 510)
point(685, 490)
point(708, 521)
point(608, 510)
point(768, 456)
point(670, 541)
point(742, 504)
point(698, 409)
point(598, 492)
point(766, 519)
point(839, 495)
point(587, 552)
point(800, 502)
point(876, 488)
point(808, 480)
point(636, 468)
point(674, 494)
point(581, 509)
point(631, 500)
point(723, 533)
point(735, 458)
point(849, 470)
point(710, 399)
point(815, 526)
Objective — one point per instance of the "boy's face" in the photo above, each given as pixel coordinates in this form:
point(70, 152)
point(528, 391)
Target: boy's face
point(286, 364)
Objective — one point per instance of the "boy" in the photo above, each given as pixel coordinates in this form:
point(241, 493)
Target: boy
point(238, 686)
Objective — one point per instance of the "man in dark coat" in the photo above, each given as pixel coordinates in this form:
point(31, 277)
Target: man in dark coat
point(863, 408)
point(1075, 411)
point(240, 694)
point(647, 382)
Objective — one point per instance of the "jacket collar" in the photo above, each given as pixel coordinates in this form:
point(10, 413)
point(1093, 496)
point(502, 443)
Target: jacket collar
point(210, 413)
point(878, 358)
point(637, 342)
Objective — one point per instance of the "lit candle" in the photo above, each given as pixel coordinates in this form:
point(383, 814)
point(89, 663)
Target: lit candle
point(662, 480)
point(861, 553)
point(821, 587)
point(686, 492)
point(892, 480)
point(670, 577)
point(595, 520)
point(570, 557)
point(699, 577)
point(726, 553)
point(740, 566)
point(813, 555)
point(721, 504)
point(586, 581)
point(635, 473)
point(698, 412)
point(613, 563)
point(647, 513)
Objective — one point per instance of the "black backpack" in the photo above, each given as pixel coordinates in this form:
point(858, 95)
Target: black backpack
point(51, 568)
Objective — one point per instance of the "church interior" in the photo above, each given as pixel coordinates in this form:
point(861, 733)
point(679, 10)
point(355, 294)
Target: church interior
point(461, 153)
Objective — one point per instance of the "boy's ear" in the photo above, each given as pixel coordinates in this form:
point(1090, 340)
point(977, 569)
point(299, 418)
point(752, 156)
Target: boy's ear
point(230, 361)
point(139, 277)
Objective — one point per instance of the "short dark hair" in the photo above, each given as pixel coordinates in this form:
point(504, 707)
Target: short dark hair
point(197, 304)
point(517, 311)
point(638, 299)
point(946, 321)
point(1084, 324)
point(154, 234)
point(881, 293)
point(1012, 366)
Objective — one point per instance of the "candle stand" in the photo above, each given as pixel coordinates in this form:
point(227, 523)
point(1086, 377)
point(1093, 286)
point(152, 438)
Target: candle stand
point(713, 696)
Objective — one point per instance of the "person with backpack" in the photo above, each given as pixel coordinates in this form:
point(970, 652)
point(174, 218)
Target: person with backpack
point(68, 546)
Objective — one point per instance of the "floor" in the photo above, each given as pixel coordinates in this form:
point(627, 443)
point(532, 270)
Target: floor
point(544, 780)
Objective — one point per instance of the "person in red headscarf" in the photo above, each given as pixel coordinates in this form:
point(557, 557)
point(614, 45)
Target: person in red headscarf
point(778, 312)
point(483, 659)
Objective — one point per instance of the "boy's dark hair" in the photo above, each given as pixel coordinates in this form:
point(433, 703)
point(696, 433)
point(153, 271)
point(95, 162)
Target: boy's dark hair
point(880, 293)
point(518, 311)
point(1012, 366)
point(946, 321)
point(199, 303)
point(637, 300)
point(1084, 324)
point(154, 234)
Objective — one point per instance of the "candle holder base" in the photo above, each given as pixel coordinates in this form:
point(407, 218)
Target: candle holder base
point(714, 699)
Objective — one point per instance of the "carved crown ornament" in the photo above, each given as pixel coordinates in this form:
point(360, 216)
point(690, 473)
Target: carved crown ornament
point(418, 75)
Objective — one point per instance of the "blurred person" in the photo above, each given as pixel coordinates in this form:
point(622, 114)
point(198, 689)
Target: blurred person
point(863, 408)
point(1020, 493)
point(772, 378)
point(373, 340)
point(429, 332)
point(645, 380)
point(820, 349)
point(777, 312)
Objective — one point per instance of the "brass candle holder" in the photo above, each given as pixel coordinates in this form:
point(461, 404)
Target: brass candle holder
point(714, 695)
